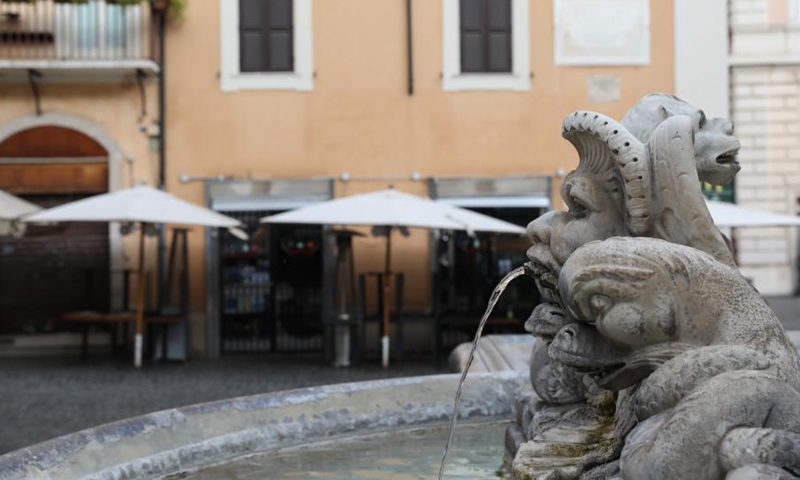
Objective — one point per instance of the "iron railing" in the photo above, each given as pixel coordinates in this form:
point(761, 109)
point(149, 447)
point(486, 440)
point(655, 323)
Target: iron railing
point(91, 30)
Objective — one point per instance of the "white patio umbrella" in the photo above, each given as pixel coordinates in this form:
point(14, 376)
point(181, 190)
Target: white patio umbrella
point(143, 205)
point(391, 208)
point(11, 209)
point(731, 216)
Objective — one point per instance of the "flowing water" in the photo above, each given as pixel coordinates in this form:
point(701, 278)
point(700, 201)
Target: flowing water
point(498, 291)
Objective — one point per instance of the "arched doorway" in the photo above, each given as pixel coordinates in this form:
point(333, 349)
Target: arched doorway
point(41, 277)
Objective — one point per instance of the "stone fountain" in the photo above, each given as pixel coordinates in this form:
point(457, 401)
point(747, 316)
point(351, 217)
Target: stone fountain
point(655, 358)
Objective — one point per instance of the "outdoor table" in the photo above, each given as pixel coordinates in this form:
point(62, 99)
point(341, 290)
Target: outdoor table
point(120, 318)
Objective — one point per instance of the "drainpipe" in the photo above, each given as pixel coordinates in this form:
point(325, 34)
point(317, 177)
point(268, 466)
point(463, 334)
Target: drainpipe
point(162, 152)
point(409, 48)
point(162, 20)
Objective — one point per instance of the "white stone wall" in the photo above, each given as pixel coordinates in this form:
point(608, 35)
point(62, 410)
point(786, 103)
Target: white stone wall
point(765, 107)
point(701, 54)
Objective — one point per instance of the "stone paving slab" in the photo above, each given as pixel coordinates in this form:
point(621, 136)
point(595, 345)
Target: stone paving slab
point(495, 353)
point(787, 309)
point(45, 398)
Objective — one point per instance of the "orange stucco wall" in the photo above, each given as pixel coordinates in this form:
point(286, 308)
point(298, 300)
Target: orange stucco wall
point(360, 119)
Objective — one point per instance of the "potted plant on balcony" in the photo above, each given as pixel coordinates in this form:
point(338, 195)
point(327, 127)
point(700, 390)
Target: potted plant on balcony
point(175, 8)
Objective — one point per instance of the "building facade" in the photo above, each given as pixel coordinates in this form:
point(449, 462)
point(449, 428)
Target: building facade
point(275, 104)
point(80, 116)
point(361, 94)
point(765, 91)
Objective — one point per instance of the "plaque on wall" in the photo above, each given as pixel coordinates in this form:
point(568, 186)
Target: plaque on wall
point(611, 32)
point(603, 89)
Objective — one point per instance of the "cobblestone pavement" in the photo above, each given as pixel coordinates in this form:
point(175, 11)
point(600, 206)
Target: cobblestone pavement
point(45, 398)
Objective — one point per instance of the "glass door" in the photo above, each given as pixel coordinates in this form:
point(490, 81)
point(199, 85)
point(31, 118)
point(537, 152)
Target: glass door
point(271, 287)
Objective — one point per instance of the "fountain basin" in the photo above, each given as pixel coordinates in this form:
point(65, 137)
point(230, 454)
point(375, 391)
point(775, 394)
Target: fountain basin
point(189, 438)
point(397, 455)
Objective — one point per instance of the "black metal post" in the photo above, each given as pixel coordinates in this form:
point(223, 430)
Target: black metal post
point(162, 149)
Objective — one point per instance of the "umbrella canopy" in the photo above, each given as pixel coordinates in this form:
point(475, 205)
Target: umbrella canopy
point(138, 204)
point(12, 207)
point(731, 215)
point(390, 208)
point(393, 209)
point(141, 204)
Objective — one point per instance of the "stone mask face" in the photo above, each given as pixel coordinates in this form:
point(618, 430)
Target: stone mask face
point(715, 150)
point(594, 214)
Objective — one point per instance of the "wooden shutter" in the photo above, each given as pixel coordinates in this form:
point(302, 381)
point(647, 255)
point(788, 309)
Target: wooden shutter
point(485, 35)
point(266, 31)
point(281, 48)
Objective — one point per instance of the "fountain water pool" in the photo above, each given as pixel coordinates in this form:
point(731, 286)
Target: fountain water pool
point(170, 442)
point(399, 455)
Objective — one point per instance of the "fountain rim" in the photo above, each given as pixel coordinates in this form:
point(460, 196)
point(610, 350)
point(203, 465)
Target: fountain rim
point(166, 442)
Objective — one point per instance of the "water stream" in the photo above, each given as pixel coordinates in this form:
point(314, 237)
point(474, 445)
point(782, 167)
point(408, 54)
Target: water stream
point(498, 291)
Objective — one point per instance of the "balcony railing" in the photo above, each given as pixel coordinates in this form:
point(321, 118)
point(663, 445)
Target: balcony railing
point(60, 30)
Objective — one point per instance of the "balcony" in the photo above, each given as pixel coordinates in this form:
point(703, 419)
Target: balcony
point(66, 37)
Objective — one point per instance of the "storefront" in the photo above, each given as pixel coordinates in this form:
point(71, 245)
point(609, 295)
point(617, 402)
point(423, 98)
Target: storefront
point(266, 294)
point(269, 294)
point(49, 160)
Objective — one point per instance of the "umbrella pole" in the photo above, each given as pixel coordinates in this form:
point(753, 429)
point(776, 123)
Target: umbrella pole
point(387, 294)
point(137, 352)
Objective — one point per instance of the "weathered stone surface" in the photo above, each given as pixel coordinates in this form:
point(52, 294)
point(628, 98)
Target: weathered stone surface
point(495, 353)
point(715, 146)
point(707, 379)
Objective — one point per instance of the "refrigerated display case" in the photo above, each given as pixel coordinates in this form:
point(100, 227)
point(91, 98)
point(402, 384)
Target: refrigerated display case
point(271, 287)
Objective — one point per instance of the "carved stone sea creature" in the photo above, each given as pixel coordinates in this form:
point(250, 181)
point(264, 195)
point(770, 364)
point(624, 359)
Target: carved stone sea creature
point(715, 145)
point(717, 377)
point(645, 292)
point(621, 187)
point(734, 422)
point(639, 182)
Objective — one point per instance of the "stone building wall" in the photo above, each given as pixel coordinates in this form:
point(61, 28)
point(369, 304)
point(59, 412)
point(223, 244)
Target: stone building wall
point(765, 106)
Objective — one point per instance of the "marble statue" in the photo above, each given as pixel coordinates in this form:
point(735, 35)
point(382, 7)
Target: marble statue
point(654, 357)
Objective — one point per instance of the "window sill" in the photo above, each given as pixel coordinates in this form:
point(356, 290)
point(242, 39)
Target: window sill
point(267, 81)
point(487, 82)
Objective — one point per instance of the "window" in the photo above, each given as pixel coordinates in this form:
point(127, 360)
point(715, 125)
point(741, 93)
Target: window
point(486, 45)
point(266, 44)
point(265, 36)
point(485, 36)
